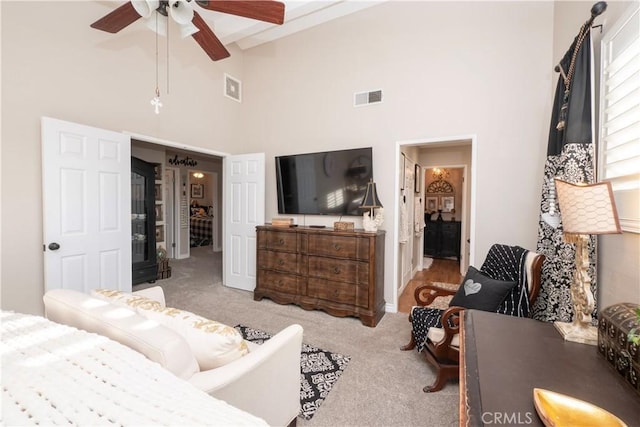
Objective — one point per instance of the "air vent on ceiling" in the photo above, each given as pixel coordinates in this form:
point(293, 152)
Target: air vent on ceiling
point(367, 98)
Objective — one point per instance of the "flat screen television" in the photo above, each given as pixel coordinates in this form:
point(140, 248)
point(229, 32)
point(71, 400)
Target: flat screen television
point(326, 183)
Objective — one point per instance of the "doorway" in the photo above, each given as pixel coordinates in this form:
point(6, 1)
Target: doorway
point(179, 188)
point(459, 152)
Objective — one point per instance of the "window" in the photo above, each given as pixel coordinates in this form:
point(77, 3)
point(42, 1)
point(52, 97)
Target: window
point(619, 156)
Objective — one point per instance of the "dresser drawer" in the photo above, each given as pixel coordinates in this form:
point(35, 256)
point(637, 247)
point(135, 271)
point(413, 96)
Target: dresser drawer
point(282, 261)
point(278, 240)
point(339, 270)
point(281, 282)
point(343, 293)
point(339, 246)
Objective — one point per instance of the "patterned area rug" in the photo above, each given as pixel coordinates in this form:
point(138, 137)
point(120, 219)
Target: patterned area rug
point(320, 370)
point(442, 303)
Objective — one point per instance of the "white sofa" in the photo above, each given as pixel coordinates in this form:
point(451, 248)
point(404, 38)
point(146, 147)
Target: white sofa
point(265, 382)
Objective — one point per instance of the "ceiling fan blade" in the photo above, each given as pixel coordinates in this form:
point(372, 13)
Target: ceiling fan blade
point(262, 10)
point(207, 40)
point(118, 19)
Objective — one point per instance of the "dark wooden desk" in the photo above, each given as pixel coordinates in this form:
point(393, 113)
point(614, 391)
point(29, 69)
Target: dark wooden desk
point(504, 358)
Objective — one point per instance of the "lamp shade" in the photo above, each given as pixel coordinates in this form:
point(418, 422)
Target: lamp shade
point(145, 7)
point(188, 29)
point(181, 12)
point(371, 200)
point(587, 208)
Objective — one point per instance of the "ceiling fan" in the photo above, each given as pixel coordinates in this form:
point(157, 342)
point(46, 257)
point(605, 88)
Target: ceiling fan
point(191, 23)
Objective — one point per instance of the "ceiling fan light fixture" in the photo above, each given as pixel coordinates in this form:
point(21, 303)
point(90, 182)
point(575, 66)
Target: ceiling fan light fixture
point(157, 23)
point(144, 8)
point(188, 29)
point(181, 12)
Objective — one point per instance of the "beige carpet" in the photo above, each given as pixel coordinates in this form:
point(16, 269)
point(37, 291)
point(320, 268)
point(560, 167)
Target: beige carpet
point(382, 386)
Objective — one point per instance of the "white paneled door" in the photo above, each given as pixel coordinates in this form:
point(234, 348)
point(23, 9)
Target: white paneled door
point(243, 211)
point(86, 186)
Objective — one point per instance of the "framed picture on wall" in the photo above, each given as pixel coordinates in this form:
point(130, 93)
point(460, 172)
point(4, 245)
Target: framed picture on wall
point(431, 204)
point(157, 191)
point(197, 191)
point(159, 213)
point(417, 178)
point(157, 171)
point(448, 203)
point(159, 233)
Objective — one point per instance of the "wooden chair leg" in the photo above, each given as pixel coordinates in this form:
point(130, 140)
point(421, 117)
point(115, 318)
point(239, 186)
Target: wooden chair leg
point(410, 346)
point(444, 372)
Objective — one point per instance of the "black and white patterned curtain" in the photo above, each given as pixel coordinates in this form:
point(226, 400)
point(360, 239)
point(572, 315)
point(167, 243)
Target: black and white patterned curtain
point(570, 157)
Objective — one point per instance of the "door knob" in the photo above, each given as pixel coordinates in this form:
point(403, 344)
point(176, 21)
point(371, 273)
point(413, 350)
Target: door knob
point(54, 246)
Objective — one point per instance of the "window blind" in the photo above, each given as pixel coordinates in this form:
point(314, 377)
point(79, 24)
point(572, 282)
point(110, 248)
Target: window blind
point(619, 154)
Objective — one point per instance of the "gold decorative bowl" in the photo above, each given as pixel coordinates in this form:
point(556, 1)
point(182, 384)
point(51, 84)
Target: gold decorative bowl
point(559, 410)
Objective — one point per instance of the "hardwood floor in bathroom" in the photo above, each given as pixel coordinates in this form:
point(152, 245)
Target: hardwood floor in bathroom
point(441, 270)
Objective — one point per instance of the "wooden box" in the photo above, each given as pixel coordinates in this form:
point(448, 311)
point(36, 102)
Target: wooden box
point(164, 271)
point(343, 226)
point(282, 222)
point(613, 330)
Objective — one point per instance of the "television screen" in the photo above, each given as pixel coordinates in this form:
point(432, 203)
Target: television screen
point(327, 183)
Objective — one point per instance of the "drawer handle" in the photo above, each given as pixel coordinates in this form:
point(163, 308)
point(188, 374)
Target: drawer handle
point(337, 246)
point(336, 270)
point(280, 262)
point(281, 242)
point(280, 283)
point(336, 293)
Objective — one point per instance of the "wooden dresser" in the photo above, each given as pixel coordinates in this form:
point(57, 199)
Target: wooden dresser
point(340, 272)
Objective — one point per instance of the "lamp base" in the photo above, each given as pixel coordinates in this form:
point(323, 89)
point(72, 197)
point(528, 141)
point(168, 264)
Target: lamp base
point(584, 334)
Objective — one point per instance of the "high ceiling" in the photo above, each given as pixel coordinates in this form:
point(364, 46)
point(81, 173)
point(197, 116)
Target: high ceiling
point(299, 15)
point(247, 33)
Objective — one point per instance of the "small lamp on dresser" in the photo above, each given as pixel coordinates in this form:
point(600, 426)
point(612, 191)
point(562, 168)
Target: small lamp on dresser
point(585, 209)
point(371, 202)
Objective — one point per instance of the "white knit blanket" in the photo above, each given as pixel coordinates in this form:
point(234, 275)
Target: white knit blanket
point(56, 374)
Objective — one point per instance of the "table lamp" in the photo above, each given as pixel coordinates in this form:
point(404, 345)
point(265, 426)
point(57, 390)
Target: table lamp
point(371, 202)
point(585, 209)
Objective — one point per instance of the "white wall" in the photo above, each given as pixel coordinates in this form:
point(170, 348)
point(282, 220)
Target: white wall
point(447, 69)
point(54, 64)
point(618, 264)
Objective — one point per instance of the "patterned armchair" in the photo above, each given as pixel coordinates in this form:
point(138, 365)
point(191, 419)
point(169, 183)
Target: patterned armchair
point(507, 283)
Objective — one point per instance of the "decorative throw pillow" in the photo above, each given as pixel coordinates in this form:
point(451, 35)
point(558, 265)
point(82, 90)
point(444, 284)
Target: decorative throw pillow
point(481, 292)
point(213, 344)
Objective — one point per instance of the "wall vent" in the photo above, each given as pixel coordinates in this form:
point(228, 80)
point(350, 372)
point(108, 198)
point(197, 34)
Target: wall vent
point(367, 98)
point(232, 88)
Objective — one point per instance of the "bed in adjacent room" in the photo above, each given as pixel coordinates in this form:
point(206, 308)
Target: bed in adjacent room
point(201, 226)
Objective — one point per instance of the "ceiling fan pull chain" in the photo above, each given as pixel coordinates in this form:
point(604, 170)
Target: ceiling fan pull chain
point(155, 102)
point(168, 25)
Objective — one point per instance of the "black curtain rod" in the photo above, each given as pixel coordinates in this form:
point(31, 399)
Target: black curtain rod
point(596, 10)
